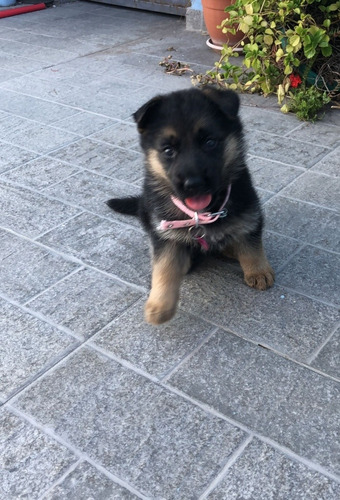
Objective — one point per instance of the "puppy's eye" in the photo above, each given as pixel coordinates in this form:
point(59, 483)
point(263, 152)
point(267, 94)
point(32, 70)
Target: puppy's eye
point(210, 143)
point(169, 151)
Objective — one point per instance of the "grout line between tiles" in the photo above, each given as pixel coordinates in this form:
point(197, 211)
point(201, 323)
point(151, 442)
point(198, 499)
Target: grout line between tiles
point(56, 283)
point(75, 260)
point(283, 449)
point(41, 317)
point(292, 256)
point(61, 479)
point(206, 408)
point(303, 243)
point(263, 345)
point(78, 453)
point(188, 356)
point(308, 296)
point(230, 462)
point(123, 362)
point(310, 203)
point(317, 351)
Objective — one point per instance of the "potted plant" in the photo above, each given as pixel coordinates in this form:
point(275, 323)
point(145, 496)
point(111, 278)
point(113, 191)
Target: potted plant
point(292, 48)
point(214, 15)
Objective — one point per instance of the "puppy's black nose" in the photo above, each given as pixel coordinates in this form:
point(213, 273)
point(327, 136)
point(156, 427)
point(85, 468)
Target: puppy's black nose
point(193, 184)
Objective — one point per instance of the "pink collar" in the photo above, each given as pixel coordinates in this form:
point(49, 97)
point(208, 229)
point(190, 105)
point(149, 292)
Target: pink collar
point(197, 219)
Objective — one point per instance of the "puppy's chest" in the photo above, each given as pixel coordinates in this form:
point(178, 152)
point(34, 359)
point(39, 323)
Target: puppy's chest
point(210, 237)
point(206, 237)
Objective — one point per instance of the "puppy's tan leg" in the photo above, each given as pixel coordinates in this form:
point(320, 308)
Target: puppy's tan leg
point(258, 273)
point(168, 268)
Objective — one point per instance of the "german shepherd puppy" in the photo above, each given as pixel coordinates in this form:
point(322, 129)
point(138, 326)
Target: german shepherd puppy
point(198, 195)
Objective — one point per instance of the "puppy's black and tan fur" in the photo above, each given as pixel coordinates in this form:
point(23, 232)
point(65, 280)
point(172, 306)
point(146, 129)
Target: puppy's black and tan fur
point(193, 145)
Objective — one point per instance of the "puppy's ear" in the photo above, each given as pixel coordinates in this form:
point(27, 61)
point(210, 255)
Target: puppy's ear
point(227, 100)
point(144, 115)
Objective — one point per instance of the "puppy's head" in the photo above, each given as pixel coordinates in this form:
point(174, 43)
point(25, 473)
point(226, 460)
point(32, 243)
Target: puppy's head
point(193, 144)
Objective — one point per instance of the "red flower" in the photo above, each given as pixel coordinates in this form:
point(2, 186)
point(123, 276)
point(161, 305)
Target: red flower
point(295, 80)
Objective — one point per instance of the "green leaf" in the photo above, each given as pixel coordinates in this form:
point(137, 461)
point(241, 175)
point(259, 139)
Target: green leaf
point(309, 52)
point(248, 20)
point(232, 13)
point(326, 51)
point(268, 39)
point(326, 23)
point(294, 40)
point(279, 54)
point(244, 27)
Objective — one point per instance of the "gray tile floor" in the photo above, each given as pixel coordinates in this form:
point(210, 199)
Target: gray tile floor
point(238, 397)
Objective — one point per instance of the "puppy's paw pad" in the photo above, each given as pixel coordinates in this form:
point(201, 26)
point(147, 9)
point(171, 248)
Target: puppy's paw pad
point(156, 313)
point(261, 280)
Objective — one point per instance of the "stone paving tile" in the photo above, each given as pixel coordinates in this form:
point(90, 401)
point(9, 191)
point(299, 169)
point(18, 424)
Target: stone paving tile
point(30, 461)
point(124, 135)
point(76, 73)
point(84, 302)
point(311, 132)
point(103, 158)
point(288, 322)
point(130, 427)
point(273, 147)
point(84, 71)
point(159, 443)
point(86, 482)
point(163, 82)
point(271, 395)
point(267, 121)
point(7, 74)
point(105, 245)
point(315, 188)
point(33, 108)
point(48, 55)
point(28, 347)
point(153, 349)
point(330, 164)
point(279, 249)
point(119, 87)
point(27, 269)
point(265, 473)
point(264, 195)
point(30, 84)
point(328, 360)
point(79, 46)
point(91, 191)
point(271, 175)
point(34, 136)
point(41, 173)
point(83, 123)
point(29, 213)
point(314, 272)
point(296, 219)
point(13, 156)
point(102, 103)
point(18, 63)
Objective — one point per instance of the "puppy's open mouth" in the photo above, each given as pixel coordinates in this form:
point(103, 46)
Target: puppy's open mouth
point(198, 202)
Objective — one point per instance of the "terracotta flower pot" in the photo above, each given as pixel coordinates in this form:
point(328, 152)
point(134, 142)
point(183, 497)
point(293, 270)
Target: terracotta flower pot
point(213, 13)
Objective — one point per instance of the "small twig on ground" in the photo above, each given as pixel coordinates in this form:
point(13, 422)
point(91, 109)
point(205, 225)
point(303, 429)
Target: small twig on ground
point(175, 67)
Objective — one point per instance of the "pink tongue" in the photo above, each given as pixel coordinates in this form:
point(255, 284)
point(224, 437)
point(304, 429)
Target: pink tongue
point(198, 202)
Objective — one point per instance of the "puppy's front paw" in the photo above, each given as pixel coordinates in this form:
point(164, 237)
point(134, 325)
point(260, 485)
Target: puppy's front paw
point(157, 313)
point(261, 280)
